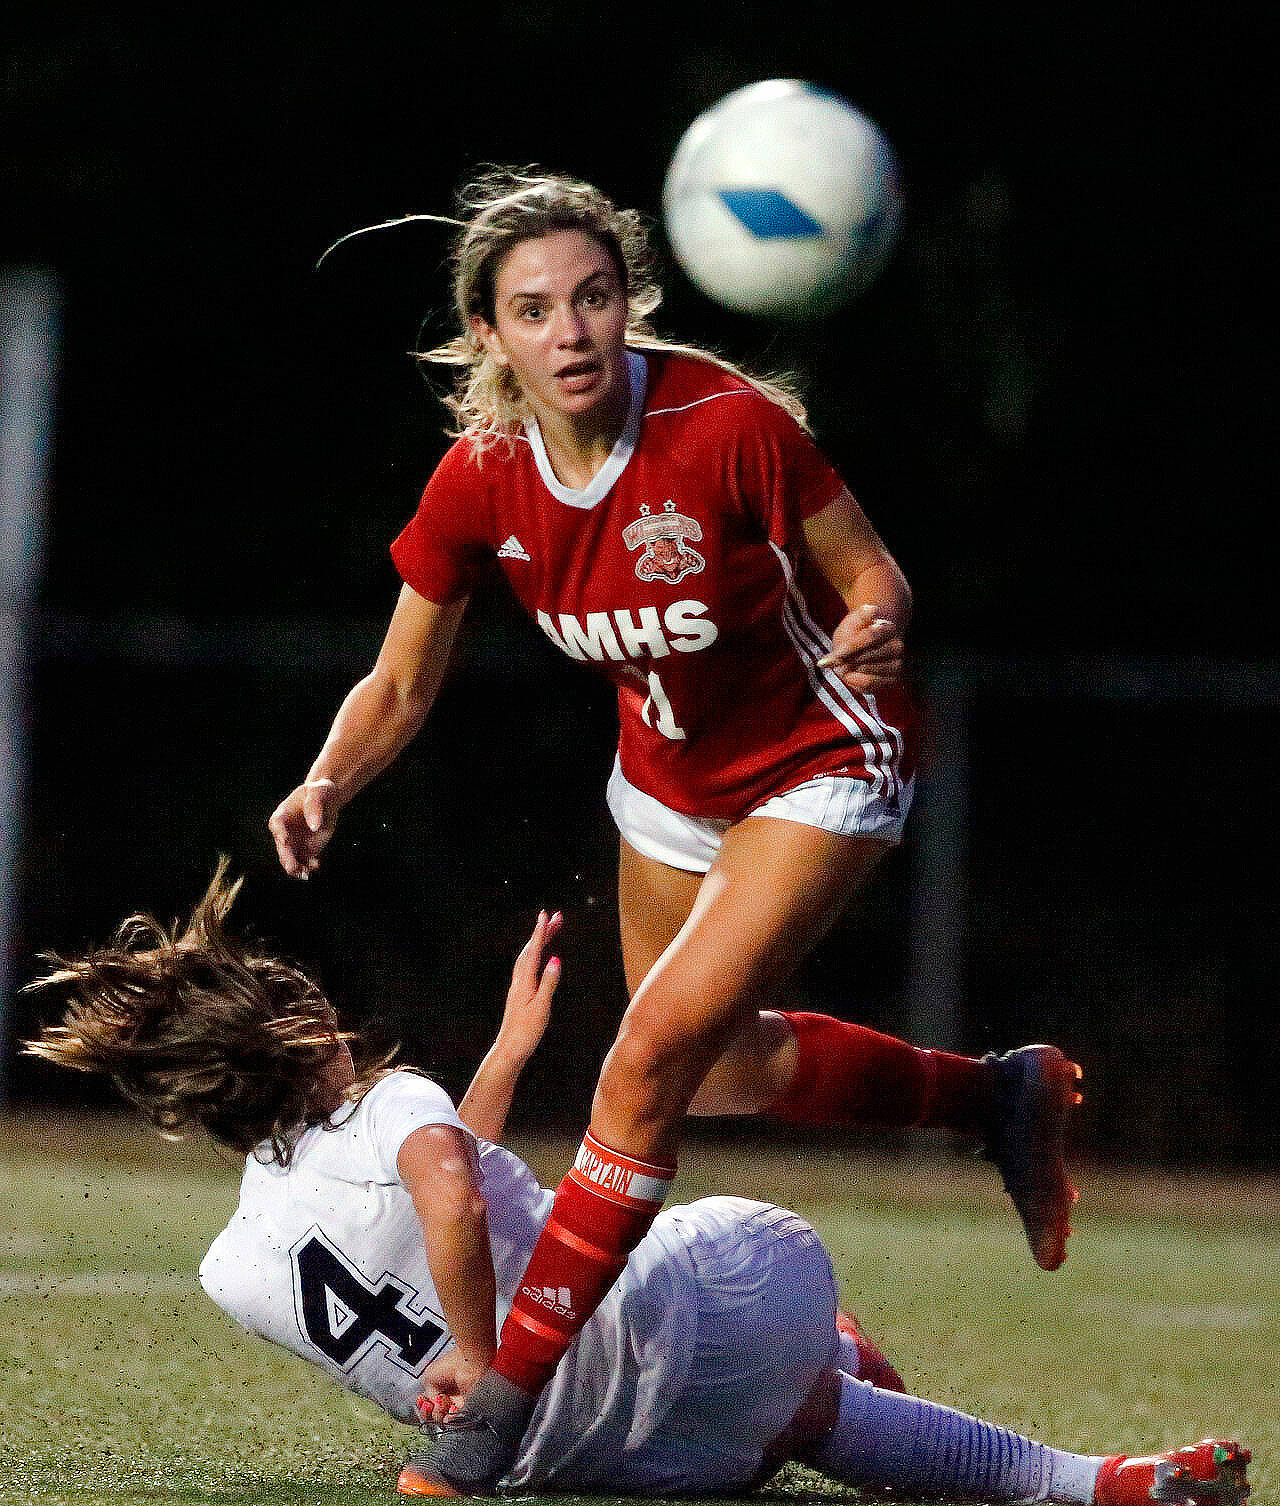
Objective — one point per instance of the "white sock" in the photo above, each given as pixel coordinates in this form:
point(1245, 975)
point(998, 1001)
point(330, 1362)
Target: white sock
point(849, 1358)
point(883, 1438)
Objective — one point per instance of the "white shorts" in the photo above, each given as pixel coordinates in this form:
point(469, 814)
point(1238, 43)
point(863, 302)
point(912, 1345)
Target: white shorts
point(764, 1331)
point(754, 1327)
point(831, 802)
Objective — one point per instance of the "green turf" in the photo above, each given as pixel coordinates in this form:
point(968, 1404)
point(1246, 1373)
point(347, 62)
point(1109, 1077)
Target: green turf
point(120, 1383)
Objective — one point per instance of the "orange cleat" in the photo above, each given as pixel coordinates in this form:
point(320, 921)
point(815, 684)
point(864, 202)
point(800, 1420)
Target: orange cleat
point(412, 1482)
point(873, 1365)
point(1209, 1473)
point(1036, 1092)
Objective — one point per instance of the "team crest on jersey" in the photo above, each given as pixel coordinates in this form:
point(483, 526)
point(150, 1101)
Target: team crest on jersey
point(664, 538)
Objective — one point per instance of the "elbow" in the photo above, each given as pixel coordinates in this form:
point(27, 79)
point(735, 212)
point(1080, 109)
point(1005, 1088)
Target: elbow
point(892, 583)
point(906, 599)
point(438, 1171)
point(456, 1196)
point(452, 1210)
point(467, 1205)
point(402, 696)
point(462, 1211)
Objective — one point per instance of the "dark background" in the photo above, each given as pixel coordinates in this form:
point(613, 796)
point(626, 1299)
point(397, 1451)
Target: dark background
point(1052, 404)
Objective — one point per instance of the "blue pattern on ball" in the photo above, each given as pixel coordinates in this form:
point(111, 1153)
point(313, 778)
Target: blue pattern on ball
point(768, 214)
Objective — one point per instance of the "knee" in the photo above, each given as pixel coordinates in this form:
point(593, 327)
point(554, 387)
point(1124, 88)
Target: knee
point(637, 1060)
point(653, 1069)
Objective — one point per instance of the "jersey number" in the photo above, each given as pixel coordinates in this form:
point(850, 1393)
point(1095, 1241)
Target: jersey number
point(342, 1314)
point(657, 712)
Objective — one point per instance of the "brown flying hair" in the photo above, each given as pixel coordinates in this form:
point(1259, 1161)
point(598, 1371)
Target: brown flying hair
point(198, 1028)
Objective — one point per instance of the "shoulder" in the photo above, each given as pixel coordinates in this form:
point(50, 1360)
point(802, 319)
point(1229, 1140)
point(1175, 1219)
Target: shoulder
point(472, 467)
point(692, 393)
point(678, 384)
point(409, 1093)
point(391, 1110)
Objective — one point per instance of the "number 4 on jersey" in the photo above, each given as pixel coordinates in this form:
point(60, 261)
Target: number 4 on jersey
point(342, 1314)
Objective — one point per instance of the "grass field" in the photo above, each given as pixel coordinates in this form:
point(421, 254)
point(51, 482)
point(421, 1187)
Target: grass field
point(122, 1384)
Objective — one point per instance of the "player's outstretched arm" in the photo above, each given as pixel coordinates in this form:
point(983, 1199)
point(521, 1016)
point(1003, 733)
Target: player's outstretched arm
point(437, 1164)
point(380, 715)
point(487, 1102)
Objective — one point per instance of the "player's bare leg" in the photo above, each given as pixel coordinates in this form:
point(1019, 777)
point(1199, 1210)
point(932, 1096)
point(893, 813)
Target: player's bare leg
point(753, 1072)
point(1019, 1104)
point(654, 902)
point(758, 1064)
point(773, 892)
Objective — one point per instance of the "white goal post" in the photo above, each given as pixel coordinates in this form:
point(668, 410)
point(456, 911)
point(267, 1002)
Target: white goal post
point(30, 307)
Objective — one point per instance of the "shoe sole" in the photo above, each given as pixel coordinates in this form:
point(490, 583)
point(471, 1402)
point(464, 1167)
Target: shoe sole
point(1051, 1080)
point(412, 1482)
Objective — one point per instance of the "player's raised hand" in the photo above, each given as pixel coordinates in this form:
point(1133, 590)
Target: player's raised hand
point(487, 1102)
point(528, 1008)
point(866, 650)
point(302, 824)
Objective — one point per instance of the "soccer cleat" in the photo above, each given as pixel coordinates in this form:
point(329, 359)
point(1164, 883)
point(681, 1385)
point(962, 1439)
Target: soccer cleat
point(470, 1451)
point(412, 1482)
point(873, 1365)
point(1209, 1473)
point(1035, 1094)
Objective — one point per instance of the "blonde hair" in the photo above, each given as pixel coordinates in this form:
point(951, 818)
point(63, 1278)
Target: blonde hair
point(498, 210)
point(198, 1028)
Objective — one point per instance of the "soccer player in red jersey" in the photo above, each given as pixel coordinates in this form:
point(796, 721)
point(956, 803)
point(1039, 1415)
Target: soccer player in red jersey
point(669, 519)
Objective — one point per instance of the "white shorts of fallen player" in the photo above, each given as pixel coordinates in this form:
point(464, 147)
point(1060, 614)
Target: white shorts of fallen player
point(832, 802)
point(697, 1360)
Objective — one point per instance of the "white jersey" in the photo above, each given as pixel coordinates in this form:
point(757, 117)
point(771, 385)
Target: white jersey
point(325, 1257)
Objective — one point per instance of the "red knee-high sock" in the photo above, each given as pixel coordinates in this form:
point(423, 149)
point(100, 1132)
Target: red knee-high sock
point(603, 1209)
point(847, 1074)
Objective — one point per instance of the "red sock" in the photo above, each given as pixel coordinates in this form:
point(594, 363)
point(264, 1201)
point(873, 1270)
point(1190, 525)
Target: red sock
point(603, 1209)
point(847, 1074)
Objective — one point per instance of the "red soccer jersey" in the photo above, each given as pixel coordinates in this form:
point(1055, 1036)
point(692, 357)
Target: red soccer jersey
point(681, 572)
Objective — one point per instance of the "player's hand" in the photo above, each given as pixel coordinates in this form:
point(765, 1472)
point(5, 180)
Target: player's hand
point(446, 1383)
point(866, 650)
point(528, 1008)
point(302, 824)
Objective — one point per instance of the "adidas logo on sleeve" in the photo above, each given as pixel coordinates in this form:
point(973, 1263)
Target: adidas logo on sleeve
point(513, 549)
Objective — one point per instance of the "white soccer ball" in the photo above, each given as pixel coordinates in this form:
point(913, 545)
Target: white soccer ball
point(782, 200)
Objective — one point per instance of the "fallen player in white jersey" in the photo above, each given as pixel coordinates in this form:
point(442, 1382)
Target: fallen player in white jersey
point(381, 1234)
